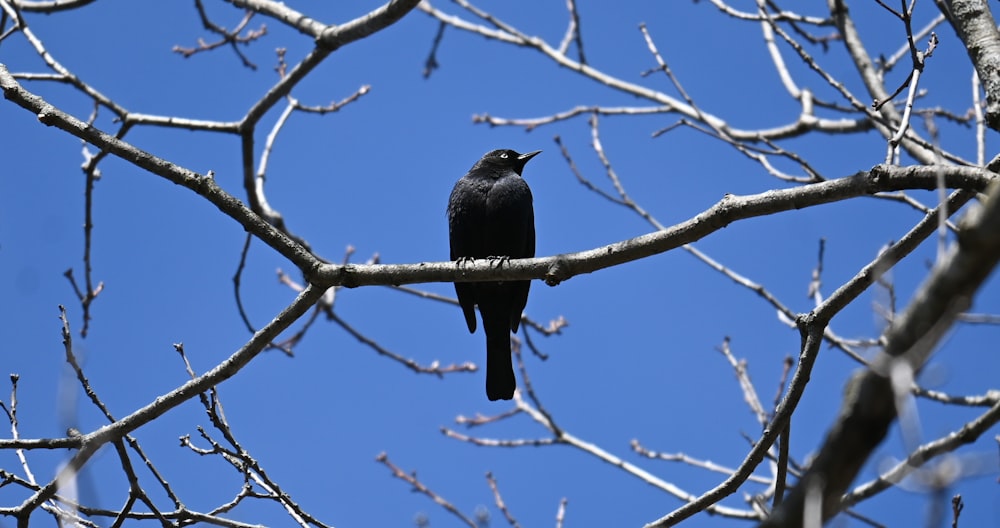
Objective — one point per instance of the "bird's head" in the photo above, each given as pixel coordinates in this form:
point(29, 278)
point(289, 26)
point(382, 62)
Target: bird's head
point(507, 158)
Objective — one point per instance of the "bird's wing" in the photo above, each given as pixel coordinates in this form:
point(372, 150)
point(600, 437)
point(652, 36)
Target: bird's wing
point(466, 292)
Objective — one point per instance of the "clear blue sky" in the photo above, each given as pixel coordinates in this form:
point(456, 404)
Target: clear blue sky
point(639, 358)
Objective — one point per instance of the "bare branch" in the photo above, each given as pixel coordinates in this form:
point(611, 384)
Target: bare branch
point(419, 487)
point(731, 208)
point(974, 23)
point(869, 408)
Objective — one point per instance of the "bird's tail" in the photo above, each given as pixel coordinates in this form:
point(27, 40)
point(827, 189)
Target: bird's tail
point(500, 382)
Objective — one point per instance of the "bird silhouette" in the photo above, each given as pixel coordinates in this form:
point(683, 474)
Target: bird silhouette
point(490, 215)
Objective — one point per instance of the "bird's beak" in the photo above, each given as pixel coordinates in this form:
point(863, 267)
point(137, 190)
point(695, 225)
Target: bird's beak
point(523, 158)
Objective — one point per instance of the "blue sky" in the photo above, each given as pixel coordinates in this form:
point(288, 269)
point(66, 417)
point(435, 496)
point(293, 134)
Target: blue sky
point(638, 359)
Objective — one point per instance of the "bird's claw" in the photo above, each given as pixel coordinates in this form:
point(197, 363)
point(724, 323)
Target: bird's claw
point(499, 261)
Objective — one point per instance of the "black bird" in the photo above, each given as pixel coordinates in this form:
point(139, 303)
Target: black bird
point(490, 216)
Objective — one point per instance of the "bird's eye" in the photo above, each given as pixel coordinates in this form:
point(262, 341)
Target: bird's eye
point(503, 155)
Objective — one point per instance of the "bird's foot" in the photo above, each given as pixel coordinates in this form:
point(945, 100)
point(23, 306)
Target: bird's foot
point(498, 261)
point(462, 261)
